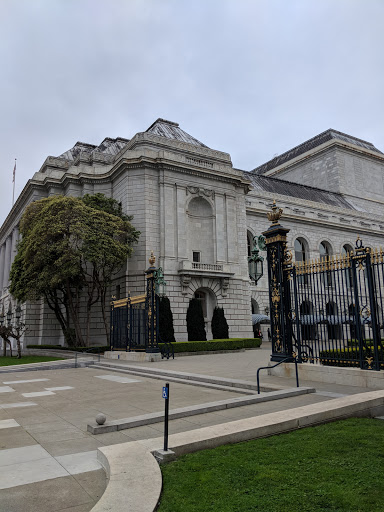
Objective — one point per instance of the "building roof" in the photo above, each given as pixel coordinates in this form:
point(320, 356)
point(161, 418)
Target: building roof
point(107, 147)
point(171, 130)
point(287, 188)
point(311, 144)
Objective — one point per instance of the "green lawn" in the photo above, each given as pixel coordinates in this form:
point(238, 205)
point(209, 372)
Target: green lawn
point(6, 361)
point(334, 467)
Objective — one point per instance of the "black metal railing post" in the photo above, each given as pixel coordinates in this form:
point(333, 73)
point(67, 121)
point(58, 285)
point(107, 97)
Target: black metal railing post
point(373, 308)
point(151, 329)
point(279, 291)
point(358, 263)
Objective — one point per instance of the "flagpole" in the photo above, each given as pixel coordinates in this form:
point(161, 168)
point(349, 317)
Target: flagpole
point(14, 180)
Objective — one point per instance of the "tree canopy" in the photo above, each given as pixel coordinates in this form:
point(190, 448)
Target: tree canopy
point(70, 249)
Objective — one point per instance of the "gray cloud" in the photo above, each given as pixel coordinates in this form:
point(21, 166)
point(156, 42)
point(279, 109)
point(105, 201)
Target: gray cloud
point(251, 77)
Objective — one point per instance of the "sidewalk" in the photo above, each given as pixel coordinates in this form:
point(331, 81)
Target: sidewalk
point(48, 459)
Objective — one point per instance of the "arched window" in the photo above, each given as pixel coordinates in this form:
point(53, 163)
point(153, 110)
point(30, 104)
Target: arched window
point(348, 249)
point(301, 255)
point(325, 253)
point(300, 252)
point(202, 297)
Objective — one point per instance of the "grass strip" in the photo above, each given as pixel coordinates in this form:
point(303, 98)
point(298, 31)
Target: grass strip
point(338, 467)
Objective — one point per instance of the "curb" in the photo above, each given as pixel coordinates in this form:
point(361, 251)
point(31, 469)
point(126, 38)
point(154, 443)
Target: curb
point(135, 477)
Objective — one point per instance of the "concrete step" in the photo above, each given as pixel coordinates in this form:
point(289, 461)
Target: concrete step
point(49, 365)
point(179, 380)
point(209, 379)
point(183, 412)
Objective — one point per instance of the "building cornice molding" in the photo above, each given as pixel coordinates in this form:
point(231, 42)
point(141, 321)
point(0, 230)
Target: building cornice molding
point(172, 144)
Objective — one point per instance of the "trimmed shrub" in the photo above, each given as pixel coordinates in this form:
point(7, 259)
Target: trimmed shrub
point(214, 345)
point(219, 324)
point(195, 321)
point(166, 330)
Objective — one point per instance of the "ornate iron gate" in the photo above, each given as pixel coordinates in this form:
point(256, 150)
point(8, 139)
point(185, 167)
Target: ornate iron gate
point(134, 320)
point(327, 311)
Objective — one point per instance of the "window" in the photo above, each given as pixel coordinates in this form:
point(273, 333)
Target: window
point(196, 256)
point(347, 249)
point(118, 292)
point(202, 297)
point(300, 256)
point(325, 253)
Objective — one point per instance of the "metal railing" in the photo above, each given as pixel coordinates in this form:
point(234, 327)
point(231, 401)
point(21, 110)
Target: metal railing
point(167, 350)
point(286, 360)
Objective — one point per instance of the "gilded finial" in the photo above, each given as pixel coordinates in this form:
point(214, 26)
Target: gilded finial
point(152, 259)
point(275, 214)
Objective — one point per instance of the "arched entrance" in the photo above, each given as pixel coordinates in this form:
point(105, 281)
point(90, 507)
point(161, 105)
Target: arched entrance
point(208, 302)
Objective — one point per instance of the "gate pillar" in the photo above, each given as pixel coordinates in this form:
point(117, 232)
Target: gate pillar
point(152, 323)
point(279, 290)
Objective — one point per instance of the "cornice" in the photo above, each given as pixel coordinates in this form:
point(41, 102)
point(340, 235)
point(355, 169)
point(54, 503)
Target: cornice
point(163, 142)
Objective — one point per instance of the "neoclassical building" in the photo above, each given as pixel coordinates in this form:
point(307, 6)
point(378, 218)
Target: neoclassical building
point(200, 214)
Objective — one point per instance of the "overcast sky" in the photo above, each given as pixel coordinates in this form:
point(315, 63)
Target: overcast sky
point(249, 77)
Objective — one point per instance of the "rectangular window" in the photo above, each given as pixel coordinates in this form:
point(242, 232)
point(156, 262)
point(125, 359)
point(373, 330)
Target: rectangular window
point(118, 292)
point(196, 256)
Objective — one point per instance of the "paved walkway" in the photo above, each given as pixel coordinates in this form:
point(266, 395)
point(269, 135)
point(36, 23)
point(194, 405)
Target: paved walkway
point(48, 459)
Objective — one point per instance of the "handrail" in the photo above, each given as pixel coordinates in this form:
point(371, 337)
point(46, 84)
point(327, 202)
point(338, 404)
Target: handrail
point(167, 350)
point(274, 366)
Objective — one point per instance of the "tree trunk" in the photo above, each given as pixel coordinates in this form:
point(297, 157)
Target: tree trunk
point(18, 347)
point(74, 317)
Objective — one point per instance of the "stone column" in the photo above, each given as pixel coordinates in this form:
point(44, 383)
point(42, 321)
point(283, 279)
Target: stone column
point(2, 261)
point(7, 262)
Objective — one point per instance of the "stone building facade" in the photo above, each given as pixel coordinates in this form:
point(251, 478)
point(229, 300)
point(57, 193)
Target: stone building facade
point(199, 215)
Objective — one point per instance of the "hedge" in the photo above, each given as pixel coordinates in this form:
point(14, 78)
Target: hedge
point(368, 341)
point(214, 345)
point(94, 350)
point(344, 357)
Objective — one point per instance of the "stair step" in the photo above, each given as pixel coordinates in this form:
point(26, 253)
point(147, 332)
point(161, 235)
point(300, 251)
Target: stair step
point(183, 412)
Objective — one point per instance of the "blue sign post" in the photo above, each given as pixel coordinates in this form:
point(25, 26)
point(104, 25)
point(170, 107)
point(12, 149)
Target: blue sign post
point(166, 414)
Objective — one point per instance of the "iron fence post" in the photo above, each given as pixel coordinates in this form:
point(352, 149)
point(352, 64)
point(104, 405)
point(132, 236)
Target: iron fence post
point(373, 308)
point(279, 293)
point(357, 260)
point(151, 338)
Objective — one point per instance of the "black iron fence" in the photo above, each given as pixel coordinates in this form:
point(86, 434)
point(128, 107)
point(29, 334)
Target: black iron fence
point(129, 319)
point(337, 313)
point(135, 320)
point(327, 311)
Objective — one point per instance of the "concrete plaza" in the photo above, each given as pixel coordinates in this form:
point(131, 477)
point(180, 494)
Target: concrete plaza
point(48, 459)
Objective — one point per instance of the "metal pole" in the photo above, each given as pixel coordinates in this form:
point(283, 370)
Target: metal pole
point(166, 418)
point(297, 372)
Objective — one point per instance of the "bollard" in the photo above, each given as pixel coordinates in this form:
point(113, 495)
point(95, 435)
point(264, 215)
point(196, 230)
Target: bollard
point(166, 414)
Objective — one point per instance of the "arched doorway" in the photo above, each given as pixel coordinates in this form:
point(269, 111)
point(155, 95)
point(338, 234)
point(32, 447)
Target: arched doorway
point(208, 302)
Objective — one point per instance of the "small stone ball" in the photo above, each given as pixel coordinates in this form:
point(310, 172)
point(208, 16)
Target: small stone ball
point(101, 418)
